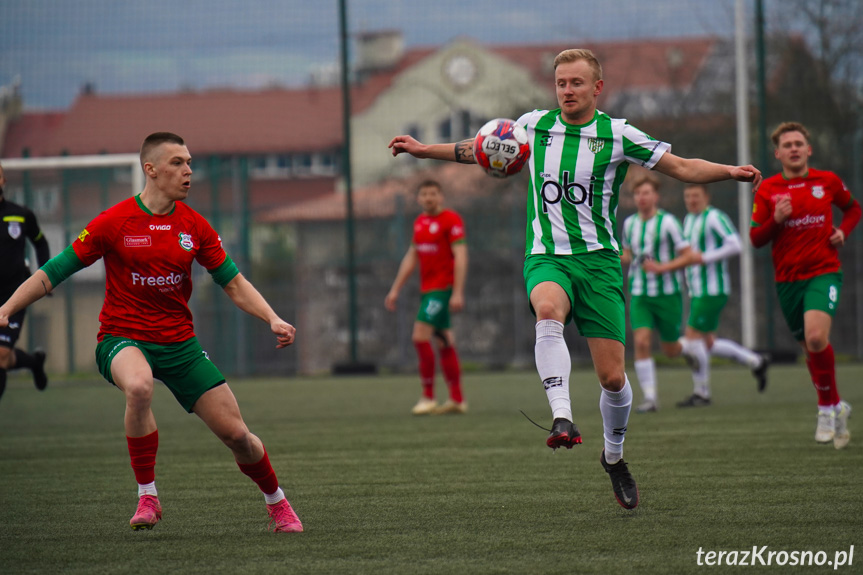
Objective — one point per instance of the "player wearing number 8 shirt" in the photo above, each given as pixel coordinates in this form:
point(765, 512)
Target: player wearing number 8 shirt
point(440, 249)
point(794, 210)
point(579, 158)
point(148, 243)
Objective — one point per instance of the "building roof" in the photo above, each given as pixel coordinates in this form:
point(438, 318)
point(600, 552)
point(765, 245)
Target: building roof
point(280, 120)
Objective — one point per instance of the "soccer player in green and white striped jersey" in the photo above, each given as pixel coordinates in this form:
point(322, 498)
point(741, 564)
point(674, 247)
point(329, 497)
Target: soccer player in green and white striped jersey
point(656, 301)
point(579, 158)
point(714, 240)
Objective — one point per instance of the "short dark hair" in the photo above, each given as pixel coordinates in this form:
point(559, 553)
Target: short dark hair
point(429, 184)
point(647, 178)
point(786, 127)
point(700, 186)
point(155, 140)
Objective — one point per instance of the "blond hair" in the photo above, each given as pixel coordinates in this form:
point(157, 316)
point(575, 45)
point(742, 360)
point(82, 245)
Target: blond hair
point(575, 54)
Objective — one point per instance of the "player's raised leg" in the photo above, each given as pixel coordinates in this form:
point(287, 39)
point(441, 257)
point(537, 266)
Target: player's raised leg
point(732, 350)
point(553, 363)
point(219, 410)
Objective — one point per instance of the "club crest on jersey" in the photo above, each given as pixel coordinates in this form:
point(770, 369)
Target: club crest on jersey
point(186, 241)
point(14, 230)
point(818, 192)
point(595, 145)
point(433, 227)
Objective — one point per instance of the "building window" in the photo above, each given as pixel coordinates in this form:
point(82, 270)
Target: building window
point(465, 125)
point(444, 130)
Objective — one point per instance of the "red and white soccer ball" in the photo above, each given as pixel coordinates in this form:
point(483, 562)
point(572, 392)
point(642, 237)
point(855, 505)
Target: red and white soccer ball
point(501, 148)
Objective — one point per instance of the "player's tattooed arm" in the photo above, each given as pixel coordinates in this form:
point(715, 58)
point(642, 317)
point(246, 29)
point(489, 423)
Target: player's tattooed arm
point(464, 152)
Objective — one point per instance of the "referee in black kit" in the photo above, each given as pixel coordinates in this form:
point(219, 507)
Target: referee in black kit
point(16, 224)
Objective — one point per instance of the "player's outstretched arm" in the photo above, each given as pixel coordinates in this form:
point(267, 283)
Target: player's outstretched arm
point(461, 152)
point(34, 288)
point(406, 268)
point(698, 171)
point(247, 298)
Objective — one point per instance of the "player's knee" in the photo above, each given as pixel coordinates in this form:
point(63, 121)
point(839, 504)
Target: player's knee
point(612, 381)
point(547, 309)
point(642, 347)
point(238, 438)
point(816, 340)
point(417, 338)
point(7, 357)
point(139, 394)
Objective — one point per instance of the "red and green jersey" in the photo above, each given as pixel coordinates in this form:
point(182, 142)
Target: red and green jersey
point(148, 268)
point(433, 239)
point(802, 248)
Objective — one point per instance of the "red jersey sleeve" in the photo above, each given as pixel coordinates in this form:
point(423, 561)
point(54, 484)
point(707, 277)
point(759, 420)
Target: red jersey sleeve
point(456, 232)
point(211, 253)
point(90, 244)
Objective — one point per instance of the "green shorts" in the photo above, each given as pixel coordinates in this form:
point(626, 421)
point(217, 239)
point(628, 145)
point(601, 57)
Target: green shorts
point(434, 308)
point(818, 293)
point(183, 367)
point(704, 312)
point(594, 284)
point(663, 313)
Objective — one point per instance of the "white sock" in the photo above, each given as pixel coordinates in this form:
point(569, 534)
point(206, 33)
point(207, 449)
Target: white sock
point(275, 497)
point(614, 407)
point(732, 350)
point(826, 409)
point(147, 489)
point(700, 377)
point(553, 364)
point(646, 371)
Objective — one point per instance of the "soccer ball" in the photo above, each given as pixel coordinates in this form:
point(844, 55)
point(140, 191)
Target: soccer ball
point(501, 148)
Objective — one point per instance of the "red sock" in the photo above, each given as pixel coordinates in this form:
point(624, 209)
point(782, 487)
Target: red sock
point(142, 451)
point(822, 367)
point(452, 372)
point(426, 358)
point(261, 473)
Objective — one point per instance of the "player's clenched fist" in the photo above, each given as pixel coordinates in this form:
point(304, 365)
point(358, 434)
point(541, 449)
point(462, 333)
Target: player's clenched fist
point(783, 210)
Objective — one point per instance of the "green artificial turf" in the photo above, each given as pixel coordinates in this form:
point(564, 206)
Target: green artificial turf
point(382, 491)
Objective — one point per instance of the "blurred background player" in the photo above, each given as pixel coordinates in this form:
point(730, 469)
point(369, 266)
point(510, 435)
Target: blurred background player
point(793, 209)
point(148, 243)
point(713, 240)
point(572, 269)
point(440, 248)
point(18, 224)
point(656, 301)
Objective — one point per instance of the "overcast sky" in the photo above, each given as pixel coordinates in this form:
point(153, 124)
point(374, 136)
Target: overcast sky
point(56, 46)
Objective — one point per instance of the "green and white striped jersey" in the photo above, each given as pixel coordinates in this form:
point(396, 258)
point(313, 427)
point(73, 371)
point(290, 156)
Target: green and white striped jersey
point(708, 232)
point(576, 173)
point(660, 238)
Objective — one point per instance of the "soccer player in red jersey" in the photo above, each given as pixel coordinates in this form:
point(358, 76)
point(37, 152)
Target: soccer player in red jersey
point(793, 209)
point(148, 243)
point(440, 249)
